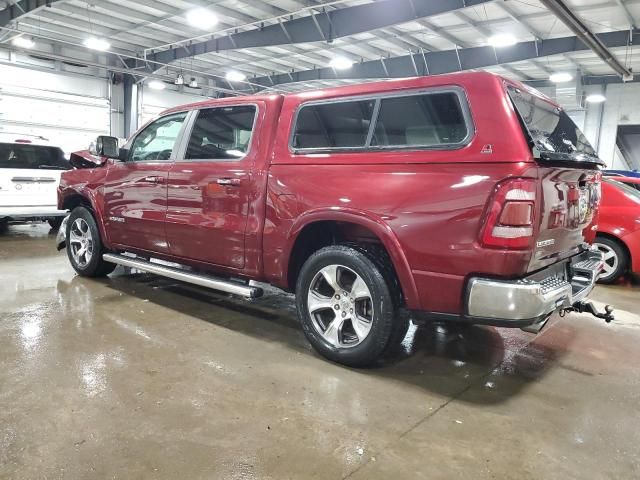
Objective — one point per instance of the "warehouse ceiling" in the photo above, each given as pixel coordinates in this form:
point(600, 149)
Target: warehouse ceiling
point(277, 42)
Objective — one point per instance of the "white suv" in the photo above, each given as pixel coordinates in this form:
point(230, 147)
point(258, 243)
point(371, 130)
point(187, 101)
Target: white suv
point(30, 169)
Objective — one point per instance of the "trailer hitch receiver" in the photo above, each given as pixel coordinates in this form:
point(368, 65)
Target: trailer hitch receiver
point(589, 307)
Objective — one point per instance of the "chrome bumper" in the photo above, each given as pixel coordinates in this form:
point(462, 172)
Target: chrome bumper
point(529, 301)
point(61, 237)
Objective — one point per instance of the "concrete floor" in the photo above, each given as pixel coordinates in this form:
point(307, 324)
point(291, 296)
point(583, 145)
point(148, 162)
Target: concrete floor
point(140, 377)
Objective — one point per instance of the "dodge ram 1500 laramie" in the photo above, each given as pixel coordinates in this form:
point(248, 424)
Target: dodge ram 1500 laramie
point(466, 198)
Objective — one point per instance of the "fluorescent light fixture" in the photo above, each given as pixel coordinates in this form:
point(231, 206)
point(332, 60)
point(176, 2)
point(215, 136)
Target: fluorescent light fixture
point(23, 42)
point(502, 40)
point(156, 85)
point(561, 77)
point(340, 63)
point(95, 43)
point(595, 98)
point(202, 18)
point(235, 76)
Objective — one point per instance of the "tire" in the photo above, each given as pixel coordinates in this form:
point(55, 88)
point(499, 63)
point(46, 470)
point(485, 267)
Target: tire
point(55, 222)
point(84, 229)
point(353, 321)
point(616, 259)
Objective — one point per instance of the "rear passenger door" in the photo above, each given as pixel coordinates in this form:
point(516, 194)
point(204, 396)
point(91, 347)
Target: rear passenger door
point(210, 185)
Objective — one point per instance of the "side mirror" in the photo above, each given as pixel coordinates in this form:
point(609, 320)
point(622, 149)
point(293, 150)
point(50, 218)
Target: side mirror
point(107, 146)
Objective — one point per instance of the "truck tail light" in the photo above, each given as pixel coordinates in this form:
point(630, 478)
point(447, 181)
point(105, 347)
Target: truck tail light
point(509, 222)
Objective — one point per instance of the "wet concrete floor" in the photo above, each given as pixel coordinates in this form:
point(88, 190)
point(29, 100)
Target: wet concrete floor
point(141, 377)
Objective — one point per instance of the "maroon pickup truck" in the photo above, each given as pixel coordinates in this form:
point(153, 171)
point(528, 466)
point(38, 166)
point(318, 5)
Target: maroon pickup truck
point(466, 198)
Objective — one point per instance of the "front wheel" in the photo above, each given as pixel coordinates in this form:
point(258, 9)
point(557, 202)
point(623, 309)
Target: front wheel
point(616, 260)
point(84, 246)
point(345, 305)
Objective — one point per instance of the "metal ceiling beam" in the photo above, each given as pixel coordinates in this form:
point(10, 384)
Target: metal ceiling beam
point(632, 21)
point(584, 33)
point(23, 7)
point(448, 61)
point(326, 26)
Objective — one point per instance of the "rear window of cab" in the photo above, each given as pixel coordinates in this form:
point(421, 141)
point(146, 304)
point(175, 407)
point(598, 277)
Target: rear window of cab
point(429, 119)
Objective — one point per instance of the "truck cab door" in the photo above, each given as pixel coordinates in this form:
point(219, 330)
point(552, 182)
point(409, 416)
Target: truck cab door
point(135, 191)
point(210, 187)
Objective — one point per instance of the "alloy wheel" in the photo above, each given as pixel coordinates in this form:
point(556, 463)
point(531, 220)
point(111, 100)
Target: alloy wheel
point(611, 260)
point(341, 307)
point(81, 242)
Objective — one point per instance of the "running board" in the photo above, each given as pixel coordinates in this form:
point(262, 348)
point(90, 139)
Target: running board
point(185, 276)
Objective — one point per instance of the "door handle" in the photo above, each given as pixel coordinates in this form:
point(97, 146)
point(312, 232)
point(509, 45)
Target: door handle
point(232, 182)
point(153, 179)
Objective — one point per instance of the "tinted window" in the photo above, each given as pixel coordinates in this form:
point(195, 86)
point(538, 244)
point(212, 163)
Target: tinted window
point(221, 133)
point(420, 120)
point(333, 125)
point(24, 155)
point(550, 128)
point(156, 142)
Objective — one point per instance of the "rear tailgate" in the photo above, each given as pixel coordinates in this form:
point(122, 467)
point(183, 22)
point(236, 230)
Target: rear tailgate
point(569, 202)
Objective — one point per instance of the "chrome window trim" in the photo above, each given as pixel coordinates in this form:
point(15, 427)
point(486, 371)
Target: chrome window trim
point(187, 134)
point(460, 93)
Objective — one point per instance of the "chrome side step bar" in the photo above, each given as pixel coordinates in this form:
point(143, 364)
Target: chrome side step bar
point(185, 276)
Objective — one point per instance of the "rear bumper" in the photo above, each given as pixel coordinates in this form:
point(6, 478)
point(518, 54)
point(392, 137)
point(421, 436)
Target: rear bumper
point(23, 213)
point(532, 299)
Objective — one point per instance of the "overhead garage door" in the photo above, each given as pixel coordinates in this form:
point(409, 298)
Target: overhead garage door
point(68, 111)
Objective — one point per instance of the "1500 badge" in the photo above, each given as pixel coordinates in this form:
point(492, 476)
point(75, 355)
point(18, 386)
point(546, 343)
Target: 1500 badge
point(545, 243)
point(116, 219)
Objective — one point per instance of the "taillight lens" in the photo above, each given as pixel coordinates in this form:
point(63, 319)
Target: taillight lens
point(510, 217)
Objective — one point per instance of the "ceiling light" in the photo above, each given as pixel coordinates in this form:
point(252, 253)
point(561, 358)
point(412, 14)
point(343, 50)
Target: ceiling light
point(502, 40)
point(202, 18)
point(23, 42)
point(234, 76)
point(99, 44)
point(595, 98)
point(179, 80)
point(193, 83)
point(561, 77)
point(340, 63)
point(156, 85)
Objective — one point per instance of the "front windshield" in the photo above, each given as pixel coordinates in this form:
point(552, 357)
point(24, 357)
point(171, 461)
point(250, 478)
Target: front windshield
point(550, 128)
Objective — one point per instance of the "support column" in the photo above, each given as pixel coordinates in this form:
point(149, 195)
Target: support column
point(130, 105)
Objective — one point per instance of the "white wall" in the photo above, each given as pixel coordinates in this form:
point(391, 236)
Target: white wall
point(622, 107)
point(153, 102)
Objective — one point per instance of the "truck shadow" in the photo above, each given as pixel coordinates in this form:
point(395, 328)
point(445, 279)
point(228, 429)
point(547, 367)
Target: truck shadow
point(486, 364)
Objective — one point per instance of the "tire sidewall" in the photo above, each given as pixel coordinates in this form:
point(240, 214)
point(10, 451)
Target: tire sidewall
point(91, 269)
point(384, 312)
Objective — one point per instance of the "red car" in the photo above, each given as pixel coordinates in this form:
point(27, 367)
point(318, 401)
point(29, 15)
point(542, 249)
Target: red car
point(618, 235)
point(464, 198)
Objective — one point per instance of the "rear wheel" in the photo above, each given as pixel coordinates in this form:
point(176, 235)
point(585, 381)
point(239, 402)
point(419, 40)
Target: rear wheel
point(345, 305)
point(616, 260)
point(84, 246)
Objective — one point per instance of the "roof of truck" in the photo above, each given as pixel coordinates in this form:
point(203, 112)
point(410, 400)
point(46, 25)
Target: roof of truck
point(366, 87)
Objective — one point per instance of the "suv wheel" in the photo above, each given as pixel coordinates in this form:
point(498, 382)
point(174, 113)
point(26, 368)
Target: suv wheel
point(345, 305)
point(616, 259)
point(84, 246)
